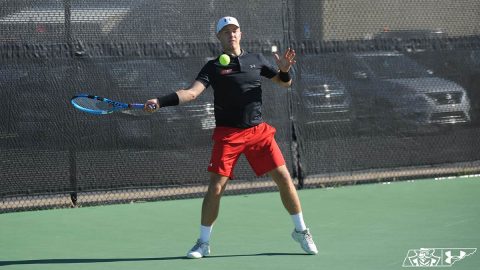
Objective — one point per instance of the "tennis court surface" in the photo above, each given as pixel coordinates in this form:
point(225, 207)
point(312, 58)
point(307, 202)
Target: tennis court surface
point(371, 226)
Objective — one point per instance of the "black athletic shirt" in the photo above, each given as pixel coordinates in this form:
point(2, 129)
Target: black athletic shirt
point(237, 88)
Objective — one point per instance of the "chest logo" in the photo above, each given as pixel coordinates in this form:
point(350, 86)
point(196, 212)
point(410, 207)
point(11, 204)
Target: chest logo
point(226, 71)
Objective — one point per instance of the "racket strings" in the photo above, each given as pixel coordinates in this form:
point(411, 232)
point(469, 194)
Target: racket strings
point(92, 104)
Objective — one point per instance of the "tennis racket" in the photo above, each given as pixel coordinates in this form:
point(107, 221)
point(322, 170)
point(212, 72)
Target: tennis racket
point(100, 105)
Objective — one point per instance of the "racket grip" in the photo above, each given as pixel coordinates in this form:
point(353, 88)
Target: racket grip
point(137, 106)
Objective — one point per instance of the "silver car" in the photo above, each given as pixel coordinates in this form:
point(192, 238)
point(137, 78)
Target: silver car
point(391, 86)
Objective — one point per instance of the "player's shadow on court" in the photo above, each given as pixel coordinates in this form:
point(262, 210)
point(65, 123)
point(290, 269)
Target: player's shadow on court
point(254, 255)
point(75, 261)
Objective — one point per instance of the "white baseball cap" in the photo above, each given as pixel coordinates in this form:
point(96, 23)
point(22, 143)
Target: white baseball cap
point(226, 21)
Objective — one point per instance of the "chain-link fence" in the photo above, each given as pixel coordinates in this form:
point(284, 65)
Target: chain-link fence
point(382, 90)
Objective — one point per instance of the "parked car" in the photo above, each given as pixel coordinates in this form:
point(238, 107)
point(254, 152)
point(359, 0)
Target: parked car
point(404, 34)
point(325, 98)
point(389, 87)
point(461, 66)
point(321, 100)
point(411, 40)
point(375, 92)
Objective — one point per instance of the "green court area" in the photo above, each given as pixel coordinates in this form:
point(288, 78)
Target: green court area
point(371, 226)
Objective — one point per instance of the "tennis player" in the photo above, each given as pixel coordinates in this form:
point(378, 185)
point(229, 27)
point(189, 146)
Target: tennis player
point(240, 128)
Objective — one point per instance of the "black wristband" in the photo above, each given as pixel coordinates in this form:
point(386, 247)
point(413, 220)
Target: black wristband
point(284, 76)
point(169, 100)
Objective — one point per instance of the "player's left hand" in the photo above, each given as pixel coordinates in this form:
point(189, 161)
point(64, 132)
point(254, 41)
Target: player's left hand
point(287, 60)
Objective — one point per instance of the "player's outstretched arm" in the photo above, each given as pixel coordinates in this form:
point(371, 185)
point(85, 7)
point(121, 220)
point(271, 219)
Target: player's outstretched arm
point(175, 98)
point(190, 94)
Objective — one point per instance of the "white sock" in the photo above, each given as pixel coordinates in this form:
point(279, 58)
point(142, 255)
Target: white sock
point(205, 233)
point(299, 223)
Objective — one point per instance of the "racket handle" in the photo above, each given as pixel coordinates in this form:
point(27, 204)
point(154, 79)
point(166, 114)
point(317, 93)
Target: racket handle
point(136, 105)
point(141, 106)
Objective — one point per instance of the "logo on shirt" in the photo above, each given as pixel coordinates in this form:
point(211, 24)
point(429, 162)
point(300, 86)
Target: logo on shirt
point(226, 71)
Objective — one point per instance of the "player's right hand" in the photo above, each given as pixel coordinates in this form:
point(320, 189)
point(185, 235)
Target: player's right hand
point(151, 105)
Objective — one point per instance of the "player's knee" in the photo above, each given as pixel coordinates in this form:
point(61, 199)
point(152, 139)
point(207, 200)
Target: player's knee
point(281, 177)
point(216, 189)
point(284, 182)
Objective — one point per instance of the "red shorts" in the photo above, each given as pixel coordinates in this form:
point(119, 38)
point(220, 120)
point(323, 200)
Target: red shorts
point(257, 143)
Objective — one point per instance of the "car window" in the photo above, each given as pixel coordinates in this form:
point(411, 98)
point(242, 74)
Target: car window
point(394, 66)
point(349, 68)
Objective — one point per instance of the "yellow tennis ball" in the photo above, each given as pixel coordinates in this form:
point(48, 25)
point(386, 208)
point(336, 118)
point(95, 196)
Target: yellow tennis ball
point(224, 59)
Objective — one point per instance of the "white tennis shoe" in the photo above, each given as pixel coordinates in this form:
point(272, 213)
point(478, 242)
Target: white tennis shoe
point(306, 241)
point(199, 250)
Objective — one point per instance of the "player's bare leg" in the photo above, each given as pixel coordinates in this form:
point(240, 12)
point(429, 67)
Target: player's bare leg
point(291, 202)
point(210, 209)
point(288, 193)
point(211, 201)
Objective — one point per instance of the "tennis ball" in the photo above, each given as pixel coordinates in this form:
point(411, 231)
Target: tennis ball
point(224, 59)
